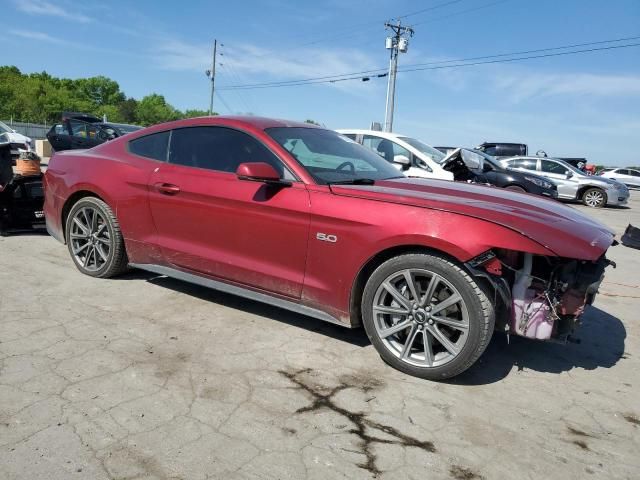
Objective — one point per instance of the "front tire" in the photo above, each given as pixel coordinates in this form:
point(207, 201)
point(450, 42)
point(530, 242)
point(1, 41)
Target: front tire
point(426, 316)
point(594, 197)
point(515, 188)
point(94, 239)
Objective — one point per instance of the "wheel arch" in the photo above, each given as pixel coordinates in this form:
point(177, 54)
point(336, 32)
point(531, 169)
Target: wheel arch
point(357, 287)
point(74, 198)
point(584, 188)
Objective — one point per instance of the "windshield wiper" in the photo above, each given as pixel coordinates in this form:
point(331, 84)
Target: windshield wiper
point(353, 181)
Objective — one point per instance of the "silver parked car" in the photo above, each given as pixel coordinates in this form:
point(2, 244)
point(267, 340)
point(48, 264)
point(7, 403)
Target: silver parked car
point(628, 176)
point(573, 184)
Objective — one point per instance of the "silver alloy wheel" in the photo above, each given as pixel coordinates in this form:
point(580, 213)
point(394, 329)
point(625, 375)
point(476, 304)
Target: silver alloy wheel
point(593, 198)
point(90, 239)
point(420, 317)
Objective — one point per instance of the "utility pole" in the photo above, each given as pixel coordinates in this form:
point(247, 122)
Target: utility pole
point(398, 43)
point(212, 75)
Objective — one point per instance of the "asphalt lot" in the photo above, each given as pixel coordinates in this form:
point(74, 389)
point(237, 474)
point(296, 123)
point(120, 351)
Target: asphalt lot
point(144, 377)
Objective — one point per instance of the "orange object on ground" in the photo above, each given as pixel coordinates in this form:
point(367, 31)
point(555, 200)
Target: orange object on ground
point(28, 165)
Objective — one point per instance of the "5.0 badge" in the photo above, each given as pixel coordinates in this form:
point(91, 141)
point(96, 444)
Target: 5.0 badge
point(326, 238)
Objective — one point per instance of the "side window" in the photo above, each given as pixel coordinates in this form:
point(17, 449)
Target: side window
point(548, 166)
point(384, 147)
point(352, 136)
point(83, 129)
point(622, 171)
point(491, 150)
point(92, 131)
point(60, 129)
point(509, 150)
point(219, 148)
point(151, 146)
point(107, 133)
point(526, 163)
point(78, 129)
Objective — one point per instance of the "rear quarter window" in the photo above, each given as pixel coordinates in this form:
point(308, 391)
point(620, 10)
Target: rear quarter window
point(152, 146)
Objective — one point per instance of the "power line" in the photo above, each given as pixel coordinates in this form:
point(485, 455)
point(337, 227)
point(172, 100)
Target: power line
point(224, 102)
point(462, 12)
point(524, 52)
point(507, 60)
point(379, 70)
point(428, 9)
point(228, 69)
point(359, 76)
point(361, 27)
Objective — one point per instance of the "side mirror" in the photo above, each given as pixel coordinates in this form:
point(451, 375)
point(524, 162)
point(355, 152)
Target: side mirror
point(486, 167)
point(259, 172)
point(402, 160)
point(569, 174)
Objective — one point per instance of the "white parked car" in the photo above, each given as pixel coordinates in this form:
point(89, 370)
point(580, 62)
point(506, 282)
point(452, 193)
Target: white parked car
point(413, 157)
point(17, 140)
point(628, 176)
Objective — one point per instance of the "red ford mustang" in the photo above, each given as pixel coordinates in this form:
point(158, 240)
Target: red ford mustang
point(303, 218)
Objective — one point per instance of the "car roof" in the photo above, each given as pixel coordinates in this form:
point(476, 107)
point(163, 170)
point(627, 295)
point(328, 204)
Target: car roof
point(232, 121)
point(377, 133)
point(531, 157)
point(244, 120)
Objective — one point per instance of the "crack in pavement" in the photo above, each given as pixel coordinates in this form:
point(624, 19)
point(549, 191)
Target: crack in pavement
point(359, 419)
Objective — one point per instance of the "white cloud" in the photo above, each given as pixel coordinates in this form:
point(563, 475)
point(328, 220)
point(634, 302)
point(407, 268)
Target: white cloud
point(43, 7)
point(262, 65)
point(40, 36)
point(46, 38)
point(526, 85)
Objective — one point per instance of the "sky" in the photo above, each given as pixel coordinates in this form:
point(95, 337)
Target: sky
point(583, 105)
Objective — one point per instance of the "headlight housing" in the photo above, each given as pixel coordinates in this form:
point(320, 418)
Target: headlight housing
point(539, 182)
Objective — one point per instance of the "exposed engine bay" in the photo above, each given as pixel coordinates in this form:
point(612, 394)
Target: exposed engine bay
point(542, 297)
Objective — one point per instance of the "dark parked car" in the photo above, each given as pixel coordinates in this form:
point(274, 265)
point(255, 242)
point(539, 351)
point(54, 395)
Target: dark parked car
point(503, 149)
point(21, 198)
point(79, 131)
point(301, 217)
point(478, 167)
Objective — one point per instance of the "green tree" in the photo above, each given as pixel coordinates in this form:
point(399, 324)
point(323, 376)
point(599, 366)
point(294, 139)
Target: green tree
point(154, 109)
point(196, 113)
point(100, 91)
point(40, 97)
point(128, 110)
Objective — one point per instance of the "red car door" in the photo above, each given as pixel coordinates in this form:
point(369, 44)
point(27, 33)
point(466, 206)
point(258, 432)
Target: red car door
point(211, 222)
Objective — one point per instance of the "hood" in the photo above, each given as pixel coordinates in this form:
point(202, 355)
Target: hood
point(561, 229)
point(14, 137)
point(602, 180)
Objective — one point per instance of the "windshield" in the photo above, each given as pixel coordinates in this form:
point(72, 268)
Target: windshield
point(330, 157)
point(4, 128)
point(435, 155)
point(570, 167)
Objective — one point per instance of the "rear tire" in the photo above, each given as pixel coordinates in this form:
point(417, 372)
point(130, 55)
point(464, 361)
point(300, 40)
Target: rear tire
point(94, 239)
point(594, 197)
point(426, 316)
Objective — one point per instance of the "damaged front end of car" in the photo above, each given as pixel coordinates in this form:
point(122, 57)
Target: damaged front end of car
point(539, 297)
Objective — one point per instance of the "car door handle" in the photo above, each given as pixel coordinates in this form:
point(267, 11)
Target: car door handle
point(167, 188)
